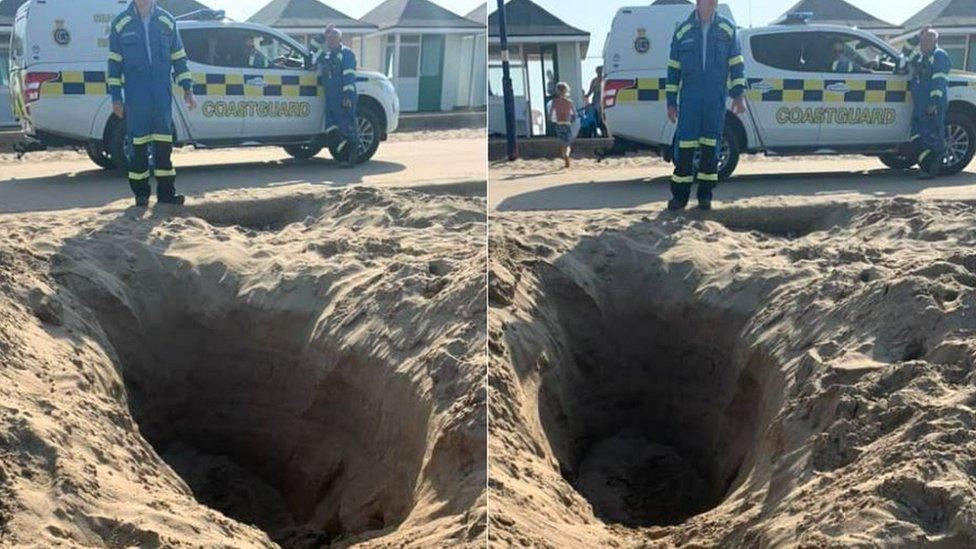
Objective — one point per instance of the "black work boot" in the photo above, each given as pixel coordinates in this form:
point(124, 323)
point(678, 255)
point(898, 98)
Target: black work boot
point(680, 193)
point(142, 201)
point(175, 200)
point(353, 157)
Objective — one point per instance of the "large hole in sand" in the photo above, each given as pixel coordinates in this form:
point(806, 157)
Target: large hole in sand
point(263, 417)
point(649, 413)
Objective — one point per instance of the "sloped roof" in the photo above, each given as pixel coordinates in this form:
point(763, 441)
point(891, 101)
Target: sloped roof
point(944, 13)
point(671, 3)
point(526, 18)
point(8, 9)
point(416, 14)
point(479, 14)
point(837, 12)
point(305, 13)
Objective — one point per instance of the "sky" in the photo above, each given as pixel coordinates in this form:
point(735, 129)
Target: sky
point(242, 9)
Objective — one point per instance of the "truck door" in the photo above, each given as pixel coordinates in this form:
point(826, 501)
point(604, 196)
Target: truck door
point(870, 102)
point(218, 83)
point(780, 92)
point(283, 97)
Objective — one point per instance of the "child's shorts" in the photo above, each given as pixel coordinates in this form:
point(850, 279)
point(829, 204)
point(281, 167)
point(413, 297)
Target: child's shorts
point(564, 132)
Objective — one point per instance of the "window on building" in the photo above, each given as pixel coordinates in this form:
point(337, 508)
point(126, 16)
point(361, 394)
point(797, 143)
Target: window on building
point(955, 46)
point(409, 56)
point(495, 72)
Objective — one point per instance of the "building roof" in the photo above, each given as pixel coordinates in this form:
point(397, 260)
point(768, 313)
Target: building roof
point(944, 13)
point(8, 9)
point(671, 3)
point(479, 14)
point(305, 14)
point(525, 18)
point(416, 14)
point(837, 12)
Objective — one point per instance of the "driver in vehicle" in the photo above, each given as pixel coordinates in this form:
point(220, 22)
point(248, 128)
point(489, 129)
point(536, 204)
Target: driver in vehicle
point(848, 61)
point(255, 59)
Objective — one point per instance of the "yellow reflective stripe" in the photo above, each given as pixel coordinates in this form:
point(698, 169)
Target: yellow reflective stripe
point(706, 142)
point(737, 60)
point(184, 76)
point(114, 82)
point(921, 157)
point(682, 179)
point(688, 144)
point(166, 21)
point(162, 137)
point(350, 87)
point(682, 31)
point(914, 137)
point(707, 176)
point(941, 75)
point(139, 176)
point(671, 88)
point(112, 56)
point(725, 26)
point(341, 146)
point(349, 71)
point(937, 93)
point(331, 129)
point(177, 55)
point(738, 82)
point(141, 140)
point(674, 64)
point(164, 173)
point(122, 23)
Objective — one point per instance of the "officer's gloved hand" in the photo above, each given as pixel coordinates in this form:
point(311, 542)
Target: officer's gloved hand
point(932, 110)
point(347, 103)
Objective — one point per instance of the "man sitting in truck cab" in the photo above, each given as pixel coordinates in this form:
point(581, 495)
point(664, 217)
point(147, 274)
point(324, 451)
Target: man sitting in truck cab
point(255, 59)
point(845, 59)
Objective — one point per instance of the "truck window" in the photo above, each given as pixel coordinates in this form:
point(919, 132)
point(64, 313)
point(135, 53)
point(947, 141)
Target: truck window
point(17, 40)
point(818, 51)
point(240, 49)
point(782, 50)
point(863, 56)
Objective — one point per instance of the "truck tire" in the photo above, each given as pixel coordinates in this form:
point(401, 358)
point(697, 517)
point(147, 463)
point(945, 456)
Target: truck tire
point(303, 152)
point(98, 155)
point(896, 161)
point(729, 154)
point(960, 143)
point(369, 135)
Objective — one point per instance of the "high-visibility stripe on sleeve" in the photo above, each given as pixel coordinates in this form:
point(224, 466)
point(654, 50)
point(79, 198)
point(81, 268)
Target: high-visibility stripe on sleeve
point(349, 87)
point(349, 71)
point(688, 144)
point(162, 137)
point(737, 60)
point(184, 76)
point(707, 176)
point(114, 82)
point(727, 28)
point(937, 93)
point(177, 55)
point(738, 82)
point(708, 142)
point(941, 75)
point(164, 173)
point(139, 176)
point(141, 140)
point(166, 21)
point(671, 88)
point(122, 23)
point(112, 56)
point(682, 179)
point(674, 64)
point(682, 31)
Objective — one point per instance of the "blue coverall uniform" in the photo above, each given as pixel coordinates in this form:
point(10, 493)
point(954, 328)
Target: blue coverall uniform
point(146, 85)
point(702, 90)
point(843, 65)
point(337, 72)
point(257, 60)
point(929, 87)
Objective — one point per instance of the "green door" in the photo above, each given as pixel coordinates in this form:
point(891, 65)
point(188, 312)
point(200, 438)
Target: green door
point(431, 72)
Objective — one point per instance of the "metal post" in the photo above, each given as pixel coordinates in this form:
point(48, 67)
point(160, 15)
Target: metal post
point(507, 85)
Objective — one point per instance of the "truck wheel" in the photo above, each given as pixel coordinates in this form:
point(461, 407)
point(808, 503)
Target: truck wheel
point(960, 143)
point(303, 152)
point(369, 136)
point(98, 155)
point(896, 161)
point(728, 155)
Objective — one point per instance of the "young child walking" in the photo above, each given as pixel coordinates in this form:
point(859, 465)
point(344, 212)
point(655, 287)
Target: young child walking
point(563, 114)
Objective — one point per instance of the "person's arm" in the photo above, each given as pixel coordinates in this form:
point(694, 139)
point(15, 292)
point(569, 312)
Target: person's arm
point(180, 68)
point(348, 77)
point(674, 73)
point(940, 79)
point(114, 79)
point(737, 68)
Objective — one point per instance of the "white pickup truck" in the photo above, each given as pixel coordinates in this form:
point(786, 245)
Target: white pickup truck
point(797, 105)
point(59, 53)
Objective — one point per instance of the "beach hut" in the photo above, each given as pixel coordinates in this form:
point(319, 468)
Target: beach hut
point(956, 22)
point(305, 20)
point(543, 50)
point(422, 48)
point(478, 92)
point(8, 8)
point(839, 12)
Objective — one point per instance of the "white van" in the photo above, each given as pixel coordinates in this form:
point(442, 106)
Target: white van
point(59, 52)
point(797, 105)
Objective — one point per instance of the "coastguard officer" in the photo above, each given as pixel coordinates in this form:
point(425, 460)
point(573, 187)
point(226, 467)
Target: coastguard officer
point(706, 67)
point(337, 66)
point(255, 59)
point(145, 51)
point(929, 87)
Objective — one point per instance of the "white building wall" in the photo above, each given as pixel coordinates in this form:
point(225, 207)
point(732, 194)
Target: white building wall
point(454, 56)
point(373, 54)
point(479, 80)
point(571, 69)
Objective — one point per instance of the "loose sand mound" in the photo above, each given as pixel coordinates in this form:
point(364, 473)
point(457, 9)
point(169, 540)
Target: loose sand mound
point(299, 367)
point(750, 377)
